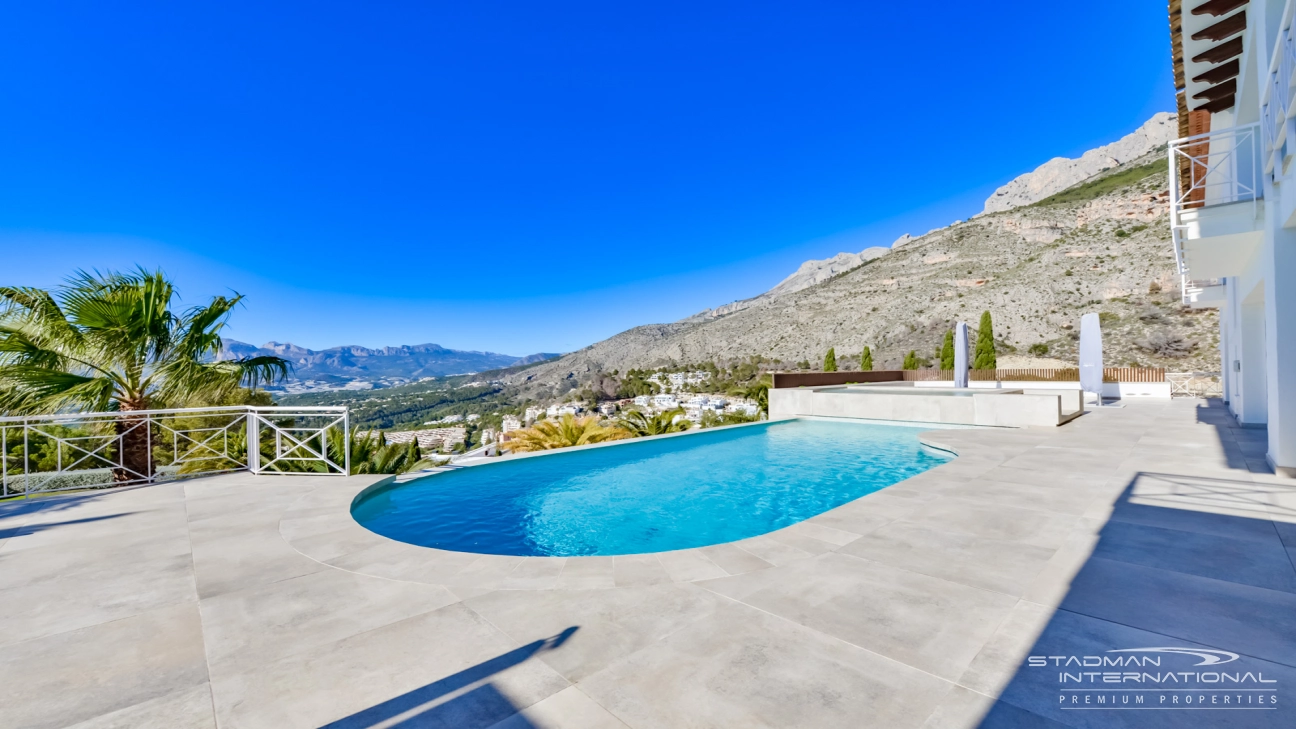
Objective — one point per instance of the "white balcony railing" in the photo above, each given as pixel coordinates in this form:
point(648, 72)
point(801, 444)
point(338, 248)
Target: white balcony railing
point(73, 451)
point(1215, 168)
point(1276, 109)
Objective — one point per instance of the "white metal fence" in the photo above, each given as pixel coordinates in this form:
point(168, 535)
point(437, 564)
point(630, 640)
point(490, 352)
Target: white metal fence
point(72, 451)
point(1195, 384)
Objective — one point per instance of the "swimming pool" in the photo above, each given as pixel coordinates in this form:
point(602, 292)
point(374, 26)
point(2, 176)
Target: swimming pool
point(649, 495)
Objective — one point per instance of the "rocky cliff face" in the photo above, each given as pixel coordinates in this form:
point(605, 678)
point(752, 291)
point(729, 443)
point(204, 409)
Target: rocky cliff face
point(1060, 173)
point(809, 274)
point(1036, 268)
point(815, 272)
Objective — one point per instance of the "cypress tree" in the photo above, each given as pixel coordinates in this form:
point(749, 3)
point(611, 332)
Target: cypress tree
point(910, 361)
point(830, 360)
point(984, 356)
point(947, 351)
point(866, 360)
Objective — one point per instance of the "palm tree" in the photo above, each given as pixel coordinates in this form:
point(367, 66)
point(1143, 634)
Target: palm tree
point(370, 455)
point(757, 391)
point(639, 424)
point(112, 342)
point(564, 432)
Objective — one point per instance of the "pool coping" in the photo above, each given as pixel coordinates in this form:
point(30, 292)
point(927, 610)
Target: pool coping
point(320, 526)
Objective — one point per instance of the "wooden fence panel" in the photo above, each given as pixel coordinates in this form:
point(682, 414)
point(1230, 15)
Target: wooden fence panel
point(927, 375)
point(1025, 375)
point(1134, 374)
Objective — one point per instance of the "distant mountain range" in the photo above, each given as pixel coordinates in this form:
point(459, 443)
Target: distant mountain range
point(407, 362)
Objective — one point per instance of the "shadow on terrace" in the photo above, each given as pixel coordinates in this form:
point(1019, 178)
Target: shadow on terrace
point(1183, 614)
point(1244, 448)
point(465, 700)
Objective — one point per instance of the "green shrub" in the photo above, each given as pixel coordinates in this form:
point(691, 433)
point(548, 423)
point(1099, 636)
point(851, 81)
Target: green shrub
point(1039, 349)
point(830, 360)
point(1094, 189)
point(984, 357)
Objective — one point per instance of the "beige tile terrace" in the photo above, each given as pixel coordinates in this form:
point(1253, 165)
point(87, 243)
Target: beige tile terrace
point(237, 601)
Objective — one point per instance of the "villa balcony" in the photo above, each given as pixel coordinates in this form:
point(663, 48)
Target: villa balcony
point(1216, 203)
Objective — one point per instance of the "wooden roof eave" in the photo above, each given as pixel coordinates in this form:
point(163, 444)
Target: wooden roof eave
point(1175, 10)
point(1226, 28)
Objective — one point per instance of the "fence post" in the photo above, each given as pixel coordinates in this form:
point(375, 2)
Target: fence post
point(26, 463)
point(346, 442)
point(253, 442)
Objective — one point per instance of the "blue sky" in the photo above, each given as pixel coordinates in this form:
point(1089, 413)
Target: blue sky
point(522, 177)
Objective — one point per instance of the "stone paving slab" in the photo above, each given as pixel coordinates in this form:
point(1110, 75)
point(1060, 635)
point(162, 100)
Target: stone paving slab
point(238, 601)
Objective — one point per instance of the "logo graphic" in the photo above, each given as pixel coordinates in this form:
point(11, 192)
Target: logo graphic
point(1157, 677)
point(1210, 657)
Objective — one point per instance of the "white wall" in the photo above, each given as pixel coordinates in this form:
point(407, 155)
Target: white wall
point(1110, 389)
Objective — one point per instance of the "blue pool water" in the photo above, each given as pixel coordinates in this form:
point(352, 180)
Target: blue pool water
point(649, 495)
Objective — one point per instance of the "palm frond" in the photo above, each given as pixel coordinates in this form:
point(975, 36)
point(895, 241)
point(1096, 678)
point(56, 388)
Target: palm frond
point(116, 333)
point(565, 432)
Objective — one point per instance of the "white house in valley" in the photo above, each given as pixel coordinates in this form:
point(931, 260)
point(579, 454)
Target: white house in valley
point(1233, 199)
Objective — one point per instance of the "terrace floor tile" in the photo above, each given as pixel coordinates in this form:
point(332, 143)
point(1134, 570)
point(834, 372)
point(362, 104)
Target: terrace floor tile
point(245, 601)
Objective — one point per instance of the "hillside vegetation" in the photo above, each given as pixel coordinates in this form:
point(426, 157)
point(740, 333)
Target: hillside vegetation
point(1101, 246)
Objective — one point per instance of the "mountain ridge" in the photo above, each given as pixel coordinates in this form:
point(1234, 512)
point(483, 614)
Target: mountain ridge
point(1061, 173)
point(1037, 266)
point(353, 362)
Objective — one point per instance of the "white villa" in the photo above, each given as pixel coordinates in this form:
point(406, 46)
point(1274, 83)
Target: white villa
point(666, 402)
point(557, 411)
point(674, 381)
point(1233, 199)
point(510, 423)
point(533, 413)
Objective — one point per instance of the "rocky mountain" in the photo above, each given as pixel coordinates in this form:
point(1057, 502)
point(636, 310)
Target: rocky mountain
point(816, 272)
point(1102, 246)
point(408, 362)
point(1061, 173)
point(809, 274)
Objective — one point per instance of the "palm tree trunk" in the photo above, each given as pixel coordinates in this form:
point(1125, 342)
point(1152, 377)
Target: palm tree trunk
point(134, 442)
